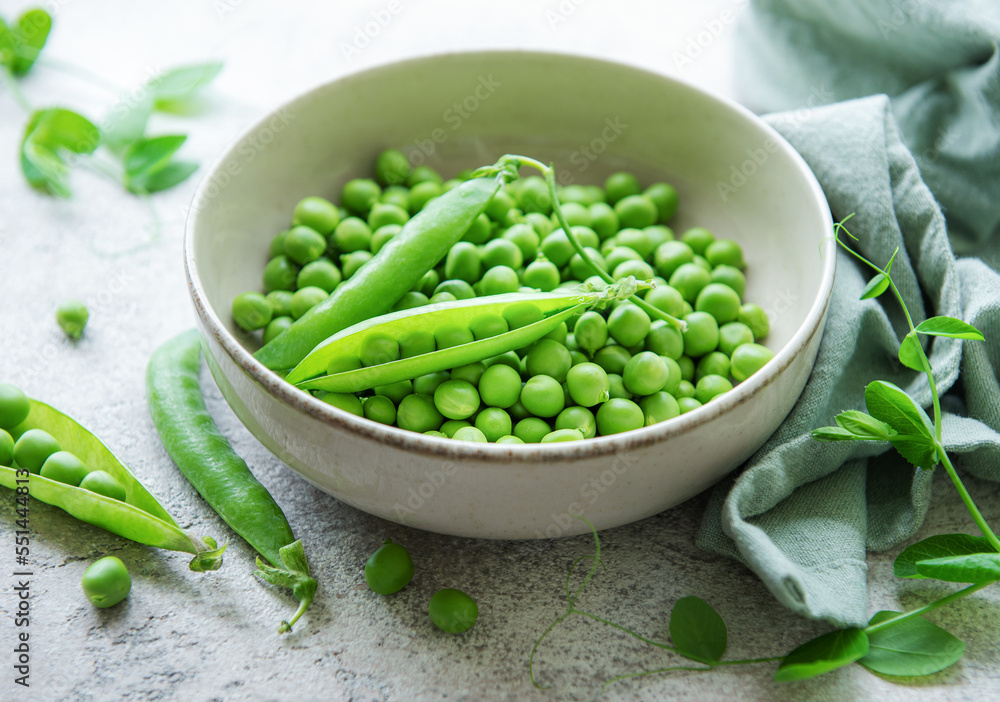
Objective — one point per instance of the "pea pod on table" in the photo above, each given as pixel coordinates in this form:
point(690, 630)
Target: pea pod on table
point(139, 517)
point(379, 284)
point(221, 477)
point(544, 312)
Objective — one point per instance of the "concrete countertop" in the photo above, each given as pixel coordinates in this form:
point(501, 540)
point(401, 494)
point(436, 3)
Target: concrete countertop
point(187, 636)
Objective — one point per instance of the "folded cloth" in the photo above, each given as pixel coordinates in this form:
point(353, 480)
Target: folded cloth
point(920, 171)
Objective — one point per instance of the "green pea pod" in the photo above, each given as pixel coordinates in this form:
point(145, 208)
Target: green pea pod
point(139, 518)
point(221, 477)
point(423, 241)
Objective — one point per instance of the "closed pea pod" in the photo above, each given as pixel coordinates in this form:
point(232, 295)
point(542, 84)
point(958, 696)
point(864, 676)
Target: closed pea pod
point(222, 478)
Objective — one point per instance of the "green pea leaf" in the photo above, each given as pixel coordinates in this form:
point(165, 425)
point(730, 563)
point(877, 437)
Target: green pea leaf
point(181, 84)
point(914, 439)
point(8, 46)
point(167, 177)
point(50, 133)
point(146, 160)
point(876, 286)
point(864, 425)
point(697, 630)
point(911, 648)
point(950, 327)
point(909, 352)
point(834, 434)
point(31, 33)
point(971, 568)
point(823, 654)
point(938, 546)
point(126, 122)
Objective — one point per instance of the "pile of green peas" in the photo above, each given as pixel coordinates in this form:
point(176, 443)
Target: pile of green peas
point(600, 373)
point(38, 452)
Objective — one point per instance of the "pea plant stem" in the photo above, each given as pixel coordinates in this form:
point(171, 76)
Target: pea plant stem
point(970, 504)
point(79, 73)
point(899, 619)
point(15, 90)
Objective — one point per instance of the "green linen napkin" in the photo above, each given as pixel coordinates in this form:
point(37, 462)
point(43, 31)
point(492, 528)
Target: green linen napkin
point(920, 169)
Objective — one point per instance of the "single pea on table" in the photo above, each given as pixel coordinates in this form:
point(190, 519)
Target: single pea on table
point(682, 336)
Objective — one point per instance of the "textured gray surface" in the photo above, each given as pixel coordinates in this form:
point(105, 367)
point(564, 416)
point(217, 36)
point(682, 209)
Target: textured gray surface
point(187, 636)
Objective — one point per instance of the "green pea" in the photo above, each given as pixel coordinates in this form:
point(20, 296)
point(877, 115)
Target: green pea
point(734, 335)
point(451, 427)
point(579, 419)
point(603, 220)
point(578, 357)
point(463, 262)
point(305, 299)
point(277, 245)
point(698, 238)
point(725, 252)
point(345, 401)
point(715, 363)
point(442, 297)
point(103, 483)
point(525, 238)
point(409, 300)
point(588, 384)
point(395, 391)
point(449, 335)
point(541, 224)
point(702, 335)
point(439, 434)
point(670, 256)
point(418, 413)
point(383, 213)
point(531, 430)
point(452, 611)
point(486, 325)
point(427, 384)
point(618, 255)
point(494, 423)
point(351, 263)
point(754, 316)
point(510, 359)
point(392, 167)
point(686, 404)
point(479, 231)
point(14, 406)
point(72, 316)
point(459, 288)
point(577, 214)
point(430, 280)
point(746, 360)
point(720, 301)
point(470, 372)
point(500, 386)
point(581, 269)
point(637, 240)
point(612, 358)
point(689, 279)
point(280, 274)
point(557, 248)
point(6, 448)
point(389, 569)
point(710, 387)
point(498, 280)
point(542, 274)
point(522, 314)
point(456, 399)
point(628, 324)
point(423, 193)
point(664, 340)
point(616, 387)
point(470, 434)
point(560, 435)
point(316, 213)
point(509, 439)
point(659, 407)
point(378, 348)
point(620, 185)
point(703, 263)
point(666, 199)
point(684, 389)
point(501, 252)
point(591, 331)
point(645, 373)
point(500, 206)
point(636, 211)
point(686, 364)
point(416, 343)
point(658, 234)
point(382, 235)
point(281, 303)
point(304, 244)
point(33, 447)
point(618, 415)
point(342, 364)
point(548, 357)
point(64, 467)
point(379, 408)
point(533, 195)
point(543, 396)
point(252, 311)
point(640, 270)
point(731, 276)
point(321, 273)
point(106, 582)
point(354, 234)
point(359, 195)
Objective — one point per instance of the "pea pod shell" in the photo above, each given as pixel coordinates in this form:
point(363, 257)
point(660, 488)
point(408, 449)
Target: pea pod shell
point(203, 454)
point(379, 284)
point(427, 317)
point(407, 368)
point(95, 455)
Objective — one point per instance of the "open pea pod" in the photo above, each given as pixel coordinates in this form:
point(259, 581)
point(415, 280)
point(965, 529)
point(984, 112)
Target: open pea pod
point(139, 518)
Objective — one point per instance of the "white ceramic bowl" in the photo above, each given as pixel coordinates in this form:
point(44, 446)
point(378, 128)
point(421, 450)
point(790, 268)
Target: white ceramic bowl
point(735, 176)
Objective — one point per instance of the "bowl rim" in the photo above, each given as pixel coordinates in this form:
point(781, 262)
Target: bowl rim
point(464, 451)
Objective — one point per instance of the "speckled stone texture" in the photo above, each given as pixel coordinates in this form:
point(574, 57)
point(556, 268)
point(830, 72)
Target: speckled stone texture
point(184, 636)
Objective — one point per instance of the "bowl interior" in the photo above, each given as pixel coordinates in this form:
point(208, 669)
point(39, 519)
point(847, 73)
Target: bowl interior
point(588, 117)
